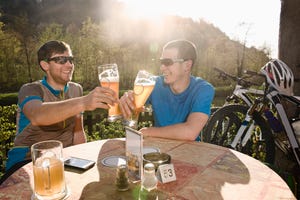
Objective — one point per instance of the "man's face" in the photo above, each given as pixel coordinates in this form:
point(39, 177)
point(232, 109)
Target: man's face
point(60, 69)
point(171, 66)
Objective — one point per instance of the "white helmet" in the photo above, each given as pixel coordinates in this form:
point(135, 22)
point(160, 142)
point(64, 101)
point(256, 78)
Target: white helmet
point(279, 76)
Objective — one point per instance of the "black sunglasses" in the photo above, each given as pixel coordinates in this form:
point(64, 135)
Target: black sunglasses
point(61, 59)
point(169, 61)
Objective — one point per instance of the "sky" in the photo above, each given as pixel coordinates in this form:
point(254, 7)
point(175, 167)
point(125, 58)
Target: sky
point(257, 21)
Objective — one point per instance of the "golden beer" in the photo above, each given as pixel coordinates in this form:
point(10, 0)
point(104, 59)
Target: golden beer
point(49, 177)
point(114, 110)
point(143, 86)
point(141, 94)
point(109, 77)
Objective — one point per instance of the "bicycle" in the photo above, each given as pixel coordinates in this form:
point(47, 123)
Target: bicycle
point(225, 123)
point(276, 114)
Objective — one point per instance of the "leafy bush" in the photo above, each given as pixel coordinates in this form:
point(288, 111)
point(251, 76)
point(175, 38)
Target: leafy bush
point(107, 130)
point(8, 132)
point(8, 99)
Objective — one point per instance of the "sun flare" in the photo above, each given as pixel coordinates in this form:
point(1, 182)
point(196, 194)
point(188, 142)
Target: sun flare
point(143, 9)
point(226, 15)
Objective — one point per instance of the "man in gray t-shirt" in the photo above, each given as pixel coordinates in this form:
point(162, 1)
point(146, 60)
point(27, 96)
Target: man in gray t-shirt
point(51, 109)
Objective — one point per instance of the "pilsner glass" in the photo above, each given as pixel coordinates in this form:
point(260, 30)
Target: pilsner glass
point(109, 77)
point(48, 170)
point(143, 86)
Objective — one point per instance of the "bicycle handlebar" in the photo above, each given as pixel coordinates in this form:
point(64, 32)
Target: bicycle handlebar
point(224, 74)
point(240, 80)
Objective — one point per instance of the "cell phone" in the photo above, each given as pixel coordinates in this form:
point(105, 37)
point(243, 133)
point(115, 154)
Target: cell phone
point(79, 163)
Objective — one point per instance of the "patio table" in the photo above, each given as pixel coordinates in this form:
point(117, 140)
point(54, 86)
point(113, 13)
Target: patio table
point(203, 171)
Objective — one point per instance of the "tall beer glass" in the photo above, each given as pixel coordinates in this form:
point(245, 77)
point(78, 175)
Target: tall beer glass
point(143, 86)
point(109, 77)
point(48, 170)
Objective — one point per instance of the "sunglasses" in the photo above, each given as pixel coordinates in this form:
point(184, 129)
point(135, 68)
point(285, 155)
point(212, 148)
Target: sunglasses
point(61, 59)
point(169, 61)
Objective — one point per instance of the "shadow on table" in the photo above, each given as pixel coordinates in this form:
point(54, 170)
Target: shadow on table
point(192, 181)
point(220, 180)
point(208, 172)
point(105, 188)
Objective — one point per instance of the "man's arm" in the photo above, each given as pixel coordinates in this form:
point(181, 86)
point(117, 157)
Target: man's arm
point(188, 130)
point(46, 113)
point(79, 133)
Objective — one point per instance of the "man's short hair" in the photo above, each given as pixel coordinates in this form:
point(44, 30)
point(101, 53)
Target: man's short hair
point(186, 49)
point(49, 48)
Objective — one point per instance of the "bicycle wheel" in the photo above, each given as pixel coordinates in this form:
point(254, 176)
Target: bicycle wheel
point(223, 125)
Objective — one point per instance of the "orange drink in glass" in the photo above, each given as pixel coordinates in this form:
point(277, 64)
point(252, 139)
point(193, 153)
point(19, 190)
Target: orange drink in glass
point(109, 77)
point(48, 177)
point(143, 86)
point(48, 170)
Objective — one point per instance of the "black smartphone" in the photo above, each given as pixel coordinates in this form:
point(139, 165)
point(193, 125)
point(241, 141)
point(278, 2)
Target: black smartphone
point(79, 163)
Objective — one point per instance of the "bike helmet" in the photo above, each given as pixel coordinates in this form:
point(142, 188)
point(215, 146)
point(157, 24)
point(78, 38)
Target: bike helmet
point(279, 76)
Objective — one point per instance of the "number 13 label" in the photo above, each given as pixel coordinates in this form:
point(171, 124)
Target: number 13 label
point(167, 173)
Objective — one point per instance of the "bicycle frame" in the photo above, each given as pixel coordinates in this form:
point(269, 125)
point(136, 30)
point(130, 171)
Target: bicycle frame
point(244, 126)
point(241, 92)
point(274, 97)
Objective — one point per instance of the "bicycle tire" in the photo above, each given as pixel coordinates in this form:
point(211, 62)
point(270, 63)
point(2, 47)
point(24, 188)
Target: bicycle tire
point(224, 124)
point(229, 112)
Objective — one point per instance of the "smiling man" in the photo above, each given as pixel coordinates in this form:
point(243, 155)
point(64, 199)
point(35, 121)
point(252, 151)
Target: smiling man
point(51, 108)
point(181, 102)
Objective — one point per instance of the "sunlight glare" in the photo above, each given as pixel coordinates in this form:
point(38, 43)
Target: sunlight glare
point(142, 9)
point(261, 17)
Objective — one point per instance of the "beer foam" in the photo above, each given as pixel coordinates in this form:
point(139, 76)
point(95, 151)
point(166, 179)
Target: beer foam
point(109, 79)
point(109, 75)
point(144, 82)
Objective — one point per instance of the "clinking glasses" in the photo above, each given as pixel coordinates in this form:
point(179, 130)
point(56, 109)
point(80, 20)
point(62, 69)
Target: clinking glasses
point(61, 59)
point(169, 61)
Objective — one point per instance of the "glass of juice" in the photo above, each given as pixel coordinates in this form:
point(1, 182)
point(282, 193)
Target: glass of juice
point(109, 77)
point(48, 170)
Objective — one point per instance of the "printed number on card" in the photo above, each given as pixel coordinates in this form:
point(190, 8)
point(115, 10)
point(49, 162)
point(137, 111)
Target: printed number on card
point(166, 173)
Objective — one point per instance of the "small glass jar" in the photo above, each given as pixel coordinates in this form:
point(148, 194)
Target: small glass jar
point(122, 181)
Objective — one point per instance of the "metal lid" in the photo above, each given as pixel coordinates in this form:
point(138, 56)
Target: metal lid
point(157, 158)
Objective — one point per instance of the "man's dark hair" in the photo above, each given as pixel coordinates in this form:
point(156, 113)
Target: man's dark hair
point(49, 48)
point(186, 49)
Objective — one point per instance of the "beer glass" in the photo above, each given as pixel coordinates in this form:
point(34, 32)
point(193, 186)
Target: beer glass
point(48, 170)
point(109, 77)
point(143, 86)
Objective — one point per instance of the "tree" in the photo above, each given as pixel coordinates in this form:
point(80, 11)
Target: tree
point(11, 65)
point(289, 40)
point(131, 43)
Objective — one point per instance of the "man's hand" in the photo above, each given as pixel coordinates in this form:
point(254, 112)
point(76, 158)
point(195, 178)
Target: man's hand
point(100, 97)
point(126, 104)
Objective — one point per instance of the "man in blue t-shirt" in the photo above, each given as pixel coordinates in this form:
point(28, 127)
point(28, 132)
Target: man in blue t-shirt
point(181, 102)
